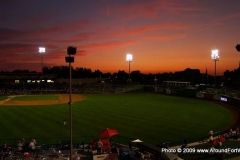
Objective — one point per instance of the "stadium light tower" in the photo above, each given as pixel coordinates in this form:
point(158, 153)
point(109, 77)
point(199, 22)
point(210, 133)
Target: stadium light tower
point(41, 51)
point(71, 51)
point(238, 49)
point(129, 59)
point(215, 58)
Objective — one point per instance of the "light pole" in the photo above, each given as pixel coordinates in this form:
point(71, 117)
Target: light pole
point(215, 58)
point(156, 81)
point(41, 51)
point(129, 59)
point(71, 51)
point(238, 49)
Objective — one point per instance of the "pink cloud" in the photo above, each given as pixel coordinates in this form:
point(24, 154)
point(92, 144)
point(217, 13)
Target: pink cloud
point(46, 34)
point(16, 48)
point(229, 17)
point(126, 32)
point(110, 44)
point(65, 27)
point(152, 9)
point(158, 27)
point(220, 21)
point(9, 34)
point(165, 38)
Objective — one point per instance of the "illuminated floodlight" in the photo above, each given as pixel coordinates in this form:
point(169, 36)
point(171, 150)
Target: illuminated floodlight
point(223, 99)
point(17, 81)
point(129, 57)
point(41, 50)
point(215, 55)
point(50, 81)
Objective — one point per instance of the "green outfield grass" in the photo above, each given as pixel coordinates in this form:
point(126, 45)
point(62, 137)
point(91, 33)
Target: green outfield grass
point(2, 97)
point(151, 117)
point(35, 97)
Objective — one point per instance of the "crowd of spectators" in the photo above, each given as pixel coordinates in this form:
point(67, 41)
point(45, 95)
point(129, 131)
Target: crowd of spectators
point(219, 139)
point(24, 149)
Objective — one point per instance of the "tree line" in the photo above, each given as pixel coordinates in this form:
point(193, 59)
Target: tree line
point(230, 78)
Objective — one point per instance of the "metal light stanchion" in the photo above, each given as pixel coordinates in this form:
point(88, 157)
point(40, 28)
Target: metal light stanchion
point(129, 59)
point(41, 51)
point(129, 70)
point(71, 51)
point(238, 49)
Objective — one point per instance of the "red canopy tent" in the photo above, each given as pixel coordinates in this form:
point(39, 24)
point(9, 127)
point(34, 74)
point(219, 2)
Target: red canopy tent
point(108, 133)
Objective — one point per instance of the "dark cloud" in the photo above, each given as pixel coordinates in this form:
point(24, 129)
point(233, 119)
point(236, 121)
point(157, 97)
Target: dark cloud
point(9, 34)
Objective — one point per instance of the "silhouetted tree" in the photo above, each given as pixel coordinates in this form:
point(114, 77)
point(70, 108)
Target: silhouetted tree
point(232, 78)
point(136, 76)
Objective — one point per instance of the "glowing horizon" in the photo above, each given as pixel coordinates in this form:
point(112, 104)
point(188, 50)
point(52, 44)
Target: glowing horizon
point(165, 36)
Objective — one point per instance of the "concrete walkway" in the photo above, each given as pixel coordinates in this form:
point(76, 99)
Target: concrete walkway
point(193, 143)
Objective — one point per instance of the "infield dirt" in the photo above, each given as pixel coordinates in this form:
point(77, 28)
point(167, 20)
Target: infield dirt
point(62, 98)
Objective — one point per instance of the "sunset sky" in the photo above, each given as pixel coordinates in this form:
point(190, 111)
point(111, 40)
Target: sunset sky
point(162, 35)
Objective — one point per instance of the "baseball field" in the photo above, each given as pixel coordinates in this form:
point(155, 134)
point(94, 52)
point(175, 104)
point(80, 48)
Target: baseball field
point(153, 118)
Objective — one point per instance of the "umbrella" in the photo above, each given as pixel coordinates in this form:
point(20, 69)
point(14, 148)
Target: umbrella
point(108, 133)
point(137, 141)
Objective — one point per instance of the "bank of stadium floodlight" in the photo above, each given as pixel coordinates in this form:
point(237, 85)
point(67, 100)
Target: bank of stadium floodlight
point(215, 58)
point(41, 51)
point(129, 59)
point(71, 51)
point(238, 49)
